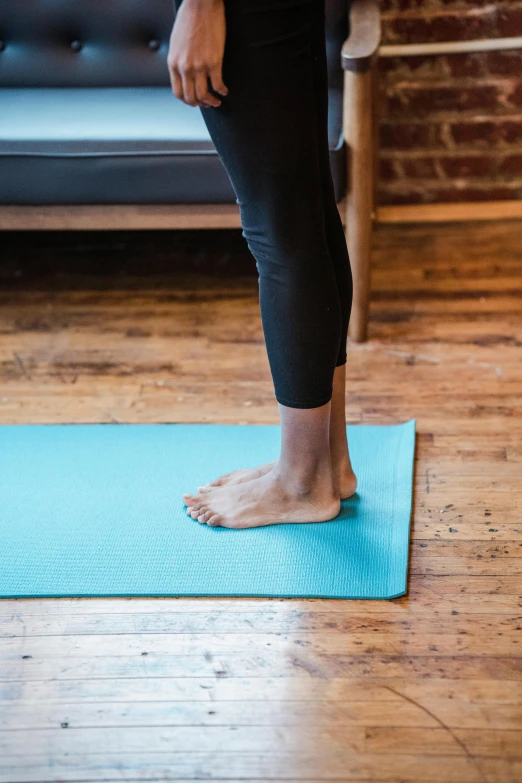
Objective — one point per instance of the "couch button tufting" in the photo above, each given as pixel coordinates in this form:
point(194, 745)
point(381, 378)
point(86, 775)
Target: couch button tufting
point(76, 46)
point(154, 45)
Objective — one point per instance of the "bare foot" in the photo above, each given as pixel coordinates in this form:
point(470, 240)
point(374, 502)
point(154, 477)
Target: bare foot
point(266, 500)
point(238, 476)
point(345, 481)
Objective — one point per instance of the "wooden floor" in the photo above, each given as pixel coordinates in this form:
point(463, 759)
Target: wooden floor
point(117, 328)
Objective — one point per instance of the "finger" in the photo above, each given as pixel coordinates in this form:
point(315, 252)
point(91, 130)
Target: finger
point(216, 80)
point(202, 92)
point(176, 83)
point(189, 92)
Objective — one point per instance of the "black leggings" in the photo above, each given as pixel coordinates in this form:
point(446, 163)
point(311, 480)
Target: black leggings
point(271, 134)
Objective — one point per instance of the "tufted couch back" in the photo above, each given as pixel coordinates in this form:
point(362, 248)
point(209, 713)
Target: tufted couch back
point(104, 43)
point(84, 43)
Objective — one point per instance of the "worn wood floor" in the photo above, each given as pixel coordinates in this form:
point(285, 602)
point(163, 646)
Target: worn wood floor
point(153, 328)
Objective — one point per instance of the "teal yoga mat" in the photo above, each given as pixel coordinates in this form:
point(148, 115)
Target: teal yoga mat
point(96, 510)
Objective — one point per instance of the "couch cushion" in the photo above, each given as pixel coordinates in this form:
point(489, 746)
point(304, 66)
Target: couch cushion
point(122, 145)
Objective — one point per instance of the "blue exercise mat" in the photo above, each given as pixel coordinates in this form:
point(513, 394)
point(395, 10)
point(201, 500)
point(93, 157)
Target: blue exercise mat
point(96, 510)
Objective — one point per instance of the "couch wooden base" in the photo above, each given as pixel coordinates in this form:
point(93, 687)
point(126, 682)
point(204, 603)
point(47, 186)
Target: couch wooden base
point(173, 216)
point(126, 216)
point(137, 217)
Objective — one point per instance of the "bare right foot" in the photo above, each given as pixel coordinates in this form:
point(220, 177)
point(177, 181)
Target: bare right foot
point(268, 500)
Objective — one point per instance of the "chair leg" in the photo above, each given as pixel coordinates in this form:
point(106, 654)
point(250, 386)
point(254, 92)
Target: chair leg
point(358, 129)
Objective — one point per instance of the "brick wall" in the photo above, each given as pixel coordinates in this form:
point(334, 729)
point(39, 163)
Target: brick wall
point(451, 125)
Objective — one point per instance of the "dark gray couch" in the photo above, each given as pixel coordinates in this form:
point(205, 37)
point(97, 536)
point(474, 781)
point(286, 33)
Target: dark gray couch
point(88, 116)
point(89, 124)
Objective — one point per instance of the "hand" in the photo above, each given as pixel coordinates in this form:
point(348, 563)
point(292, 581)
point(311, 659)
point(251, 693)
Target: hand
point(195, 57)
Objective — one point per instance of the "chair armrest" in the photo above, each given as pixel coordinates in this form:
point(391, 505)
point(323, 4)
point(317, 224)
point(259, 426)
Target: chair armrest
point(365, 35)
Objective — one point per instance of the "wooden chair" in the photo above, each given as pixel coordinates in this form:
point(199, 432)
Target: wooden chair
point(360, 126)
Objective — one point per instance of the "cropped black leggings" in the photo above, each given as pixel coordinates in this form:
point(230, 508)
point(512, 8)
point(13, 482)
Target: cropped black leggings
point(271, 134)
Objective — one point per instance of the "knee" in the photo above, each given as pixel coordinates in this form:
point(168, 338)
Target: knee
point(285, 252)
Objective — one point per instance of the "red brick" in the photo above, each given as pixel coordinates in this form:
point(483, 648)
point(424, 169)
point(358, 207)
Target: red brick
point(450, 27)
point(483, 132)
point(425, 99)
point(441, 136)
point(511, 131)
point(401, 5)
point(387, 170)
point(515, 98)
point(398, 6)
point(393, 69)
point(409, 196)
point(511, 166)
point(509, 21)
point(468, 166)
point(457, 5)
point(419, 168)
point(462, 65)
point(404, 135)
point(432, 194)
point(504, 63)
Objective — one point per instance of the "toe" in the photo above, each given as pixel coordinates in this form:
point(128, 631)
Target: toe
point(215, 520)
point(189, 499)
point(206, 491)
point(205, 516)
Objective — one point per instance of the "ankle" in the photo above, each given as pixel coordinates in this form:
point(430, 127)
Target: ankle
point(341, 462)
point(305, 479)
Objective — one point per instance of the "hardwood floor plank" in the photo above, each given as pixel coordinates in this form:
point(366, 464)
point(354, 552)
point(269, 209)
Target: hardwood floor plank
point(393, 715)
point(254, 623)
point(22, 670)
point(259, 766)
point(77, 694)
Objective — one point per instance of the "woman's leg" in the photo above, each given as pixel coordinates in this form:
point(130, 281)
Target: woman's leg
point(342, 470)
point(267, 134)
point(344, 477)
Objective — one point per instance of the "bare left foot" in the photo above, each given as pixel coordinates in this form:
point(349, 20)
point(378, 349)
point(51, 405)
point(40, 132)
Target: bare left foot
point(238, 476)
point(344, 478)
point(266, 500)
